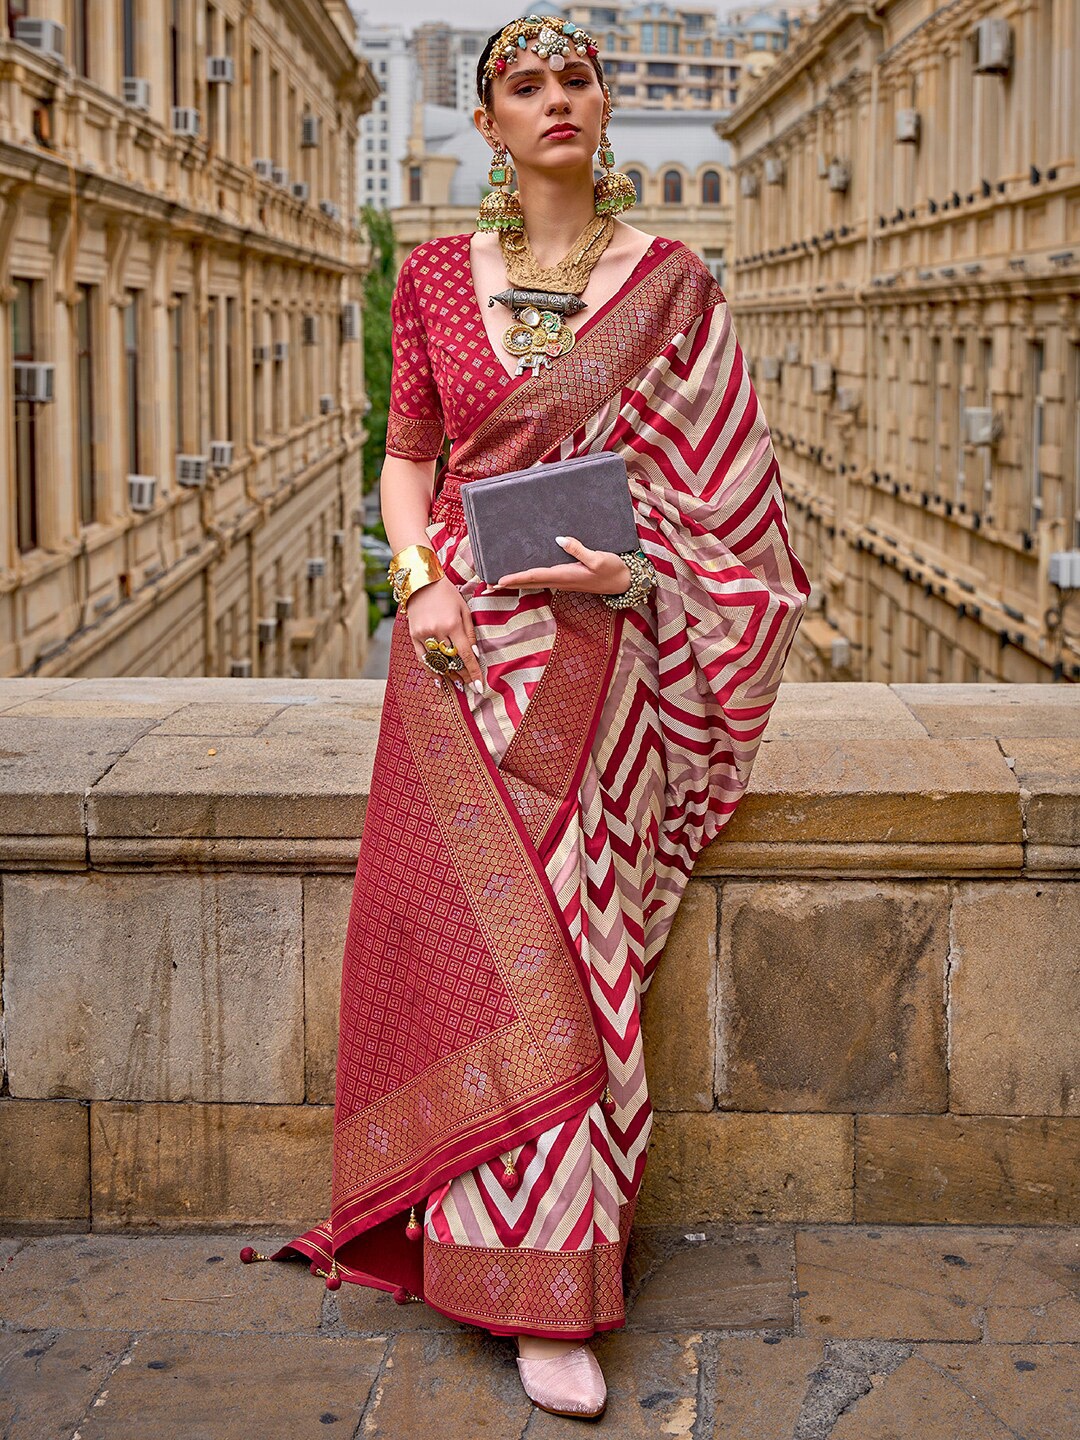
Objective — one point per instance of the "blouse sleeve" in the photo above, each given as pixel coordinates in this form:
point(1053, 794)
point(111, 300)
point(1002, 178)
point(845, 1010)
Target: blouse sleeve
point(415, 425)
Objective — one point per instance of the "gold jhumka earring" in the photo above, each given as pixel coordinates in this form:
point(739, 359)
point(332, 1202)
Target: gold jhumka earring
point(501, 209)
point(614, 191)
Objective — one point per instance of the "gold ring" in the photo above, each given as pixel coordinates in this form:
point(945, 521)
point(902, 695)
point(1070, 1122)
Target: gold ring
point(441, 656)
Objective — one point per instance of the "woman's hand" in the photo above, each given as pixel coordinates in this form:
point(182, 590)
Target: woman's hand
point(438, 609)
point(600, 572)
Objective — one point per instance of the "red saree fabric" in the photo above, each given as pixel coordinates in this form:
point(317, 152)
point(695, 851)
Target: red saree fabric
point(524, 852)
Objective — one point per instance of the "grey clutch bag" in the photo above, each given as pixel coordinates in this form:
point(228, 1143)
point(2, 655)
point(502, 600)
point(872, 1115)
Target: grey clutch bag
point(513, 519)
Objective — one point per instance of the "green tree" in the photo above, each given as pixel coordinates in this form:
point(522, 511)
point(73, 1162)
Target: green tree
point(378, 291)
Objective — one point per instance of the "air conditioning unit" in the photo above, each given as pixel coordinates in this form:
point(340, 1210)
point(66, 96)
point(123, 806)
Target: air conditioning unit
point(284, 606)
point(840, 652)
point(300, 190)
point(240, 669)
point(309, 326)
point(219, 70)
point(185, 121)
point(281, 349)
point(350, 320)
point(357, 515)
point(221, 454)
point(770, 367)
point(44, 36)
point(260, 354)
point(34, 381)
point(821, 377)
point(326, 404)
point(280, 176)
point(141, 491)
point(1065, 569)
point(337, 538)
point(191, 469)
point(748, 184)
point(791, 353)
point(982, 426)
point(839, 175)
point(907, 127)
point(263, 167)
point(316, 566)
point(309, 131)
point(774, 170)
point(991, 45)
point(847, 398)
point(136, 92)
point(267, 629)
point(329, 208)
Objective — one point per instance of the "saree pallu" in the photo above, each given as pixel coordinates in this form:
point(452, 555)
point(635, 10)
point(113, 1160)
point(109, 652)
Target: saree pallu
point(524, 851)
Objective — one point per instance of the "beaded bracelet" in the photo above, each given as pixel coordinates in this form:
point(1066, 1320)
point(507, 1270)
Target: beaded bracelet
point(642, 580)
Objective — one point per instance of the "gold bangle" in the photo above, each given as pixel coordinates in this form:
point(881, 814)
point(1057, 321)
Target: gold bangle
point(411, 569)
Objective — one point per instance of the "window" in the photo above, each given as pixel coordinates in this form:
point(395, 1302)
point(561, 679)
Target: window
point(1038, 431)
point(672, 187)
point(758, 42)
point(179, 326)
point(257, 149)
point(935, 416)
point(986, 362)
point(174, 51)
point(80, 37)
point(634, 176)
point(647, 39)
point(277, 329)
point(729, 49)
point(84, 397)
point(710, 188)
point(717, 265)
point(230, 357)
point(256, 379)
point(26, 446)
point(958, 428)
point(230, 128)
point(127, 36)
point(1072, 457)
point(131, 374)
point(415, 176)
point(212, 365)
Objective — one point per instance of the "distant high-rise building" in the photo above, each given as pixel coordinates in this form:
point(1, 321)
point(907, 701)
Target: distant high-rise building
point(384, 131)
point(446, 58)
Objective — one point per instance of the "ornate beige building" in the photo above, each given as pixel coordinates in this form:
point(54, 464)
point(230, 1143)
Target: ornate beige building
point(181, 382)
point(907, 284)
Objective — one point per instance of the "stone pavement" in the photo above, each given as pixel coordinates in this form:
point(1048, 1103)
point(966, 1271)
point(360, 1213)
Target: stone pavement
point(743, 1332)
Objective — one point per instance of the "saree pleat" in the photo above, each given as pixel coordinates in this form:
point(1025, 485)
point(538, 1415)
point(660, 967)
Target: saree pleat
point(525, 850)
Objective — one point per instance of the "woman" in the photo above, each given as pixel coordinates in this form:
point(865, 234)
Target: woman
point(555, 749)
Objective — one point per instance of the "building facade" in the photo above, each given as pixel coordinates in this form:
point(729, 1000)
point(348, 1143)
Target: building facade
point(907, 285)
point(181, 392)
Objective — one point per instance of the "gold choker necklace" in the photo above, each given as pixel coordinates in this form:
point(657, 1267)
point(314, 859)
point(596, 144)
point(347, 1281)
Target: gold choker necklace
point(540, 298)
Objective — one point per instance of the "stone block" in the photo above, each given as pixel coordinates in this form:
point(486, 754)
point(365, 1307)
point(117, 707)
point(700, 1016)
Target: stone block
point(50, 1380)
point(816, 710)
point(900, 1282)
point(678, 1012)
point(727, 1282)
point(192, 1165)
point(760, 1388)
point(175, 987)
point(1035, 1295)
point(831, 996)
point(157, 1282)
point(261, 786)
point(964, 712)
point(1014, 980)
point(979, 1169)
point(747, 1167)
point(327, 899)
point(44, 1163)
point(48, 766)
point(1048, 773)
point(896, 792)
point(276, 1387)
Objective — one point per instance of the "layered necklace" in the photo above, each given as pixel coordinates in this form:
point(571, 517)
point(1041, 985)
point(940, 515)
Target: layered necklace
point(541, 299)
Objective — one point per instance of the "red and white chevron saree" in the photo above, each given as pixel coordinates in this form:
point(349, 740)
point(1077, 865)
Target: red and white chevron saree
point(524, 851)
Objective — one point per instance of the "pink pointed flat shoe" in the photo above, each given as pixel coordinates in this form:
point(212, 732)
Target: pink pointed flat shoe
point(569, 1384)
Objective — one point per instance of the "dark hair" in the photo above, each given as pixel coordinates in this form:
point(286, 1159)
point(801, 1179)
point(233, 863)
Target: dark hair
point(483, 86)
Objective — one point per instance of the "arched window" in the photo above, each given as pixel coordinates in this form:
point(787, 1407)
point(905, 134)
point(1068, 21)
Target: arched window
point(710, 188)
point(634, 176)
point(672, 187)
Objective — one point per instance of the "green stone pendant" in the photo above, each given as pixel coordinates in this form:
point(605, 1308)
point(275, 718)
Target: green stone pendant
point(498, 175)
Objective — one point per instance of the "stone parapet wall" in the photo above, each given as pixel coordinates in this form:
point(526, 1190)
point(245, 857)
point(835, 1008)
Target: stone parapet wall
point(867, 1009)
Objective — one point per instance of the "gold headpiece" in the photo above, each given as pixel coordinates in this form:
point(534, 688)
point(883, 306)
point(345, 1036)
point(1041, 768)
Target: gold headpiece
point(556, 40)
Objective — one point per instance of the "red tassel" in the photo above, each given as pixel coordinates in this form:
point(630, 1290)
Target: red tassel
point(607, 1104)
point(413, 1229)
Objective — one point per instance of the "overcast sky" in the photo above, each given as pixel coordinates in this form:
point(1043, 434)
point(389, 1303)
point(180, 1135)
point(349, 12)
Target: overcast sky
point(481, 14)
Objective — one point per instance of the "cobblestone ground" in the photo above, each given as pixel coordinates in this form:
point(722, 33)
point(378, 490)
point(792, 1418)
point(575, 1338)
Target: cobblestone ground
point(740, 1332)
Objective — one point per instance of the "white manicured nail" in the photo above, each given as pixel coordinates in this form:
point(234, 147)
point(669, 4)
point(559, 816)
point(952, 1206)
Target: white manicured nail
point(476, 652)
point(478, 686)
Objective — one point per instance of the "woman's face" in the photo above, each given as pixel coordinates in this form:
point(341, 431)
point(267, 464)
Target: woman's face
point(547, 119)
